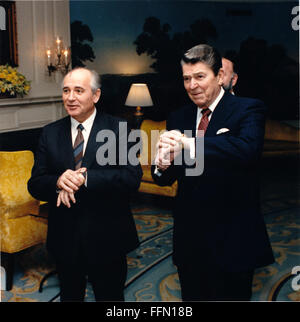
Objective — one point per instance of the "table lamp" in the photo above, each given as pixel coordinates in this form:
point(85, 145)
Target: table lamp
point(139, 96)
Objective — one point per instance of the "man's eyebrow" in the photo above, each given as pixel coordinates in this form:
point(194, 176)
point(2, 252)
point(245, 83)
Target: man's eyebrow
point(193, 74)
point(198, 73)
point(76, 87)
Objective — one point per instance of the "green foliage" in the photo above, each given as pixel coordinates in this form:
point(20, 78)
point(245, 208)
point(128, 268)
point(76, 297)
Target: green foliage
point(81, 51)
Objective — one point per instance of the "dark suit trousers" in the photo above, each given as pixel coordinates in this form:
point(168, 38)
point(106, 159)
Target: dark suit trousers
point(107, 277)
point(213, 284)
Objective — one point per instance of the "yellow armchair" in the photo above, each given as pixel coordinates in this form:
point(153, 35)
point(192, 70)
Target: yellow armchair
point(21, 225)
point(150, 135)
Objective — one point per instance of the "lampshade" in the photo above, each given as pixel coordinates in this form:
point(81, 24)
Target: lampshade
point(139, 95)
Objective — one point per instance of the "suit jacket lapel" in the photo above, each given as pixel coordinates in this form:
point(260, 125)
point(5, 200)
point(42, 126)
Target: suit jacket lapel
point(92, 146)
point(65, 144)
point(222, 112)
point(190, 120)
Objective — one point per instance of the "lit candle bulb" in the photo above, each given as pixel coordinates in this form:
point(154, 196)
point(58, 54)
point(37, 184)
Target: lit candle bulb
point(58, 41)
point(66, 56)
point(49, 56)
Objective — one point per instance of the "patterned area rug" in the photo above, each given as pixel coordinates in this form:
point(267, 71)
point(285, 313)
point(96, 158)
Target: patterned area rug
point(152, 275)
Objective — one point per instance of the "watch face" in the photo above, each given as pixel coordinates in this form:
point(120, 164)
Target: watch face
point(83, 174)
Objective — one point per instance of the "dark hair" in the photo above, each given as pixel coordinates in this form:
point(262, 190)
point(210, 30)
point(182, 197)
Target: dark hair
point(204, 54)
point(233, 57)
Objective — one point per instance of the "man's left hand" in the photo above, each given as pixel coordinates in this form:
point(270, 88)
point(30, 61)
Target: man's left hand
point(65, 197)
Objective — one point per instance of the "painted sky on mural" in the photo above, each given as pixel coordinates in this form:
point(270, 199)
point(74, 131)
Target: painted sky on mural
point(115, 25)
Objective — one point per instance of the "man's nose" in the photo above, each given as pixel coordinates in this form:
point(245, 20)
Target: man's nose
point(71, 96)
point(193, 83)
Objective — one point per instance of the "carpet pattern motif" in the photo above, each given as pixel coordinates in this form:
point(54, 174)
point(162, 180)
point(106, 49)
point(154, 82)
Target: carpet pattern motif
point(152, 275)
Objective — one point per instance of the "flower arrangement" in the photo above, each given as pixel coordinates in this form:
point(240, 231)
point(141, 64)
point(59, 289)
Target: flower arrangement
point(12, 82)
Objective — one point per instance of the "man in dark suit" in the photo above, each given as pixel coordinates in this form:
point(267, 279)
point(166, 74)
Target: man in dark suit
point(219, 233)
point(90, 225)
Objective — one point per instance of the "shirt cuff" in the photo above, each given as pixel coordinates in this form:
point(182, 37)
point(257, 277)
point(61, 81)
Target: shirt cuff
point(157, 171)
point(86, 178)
point(189, 143)
point(192, 148)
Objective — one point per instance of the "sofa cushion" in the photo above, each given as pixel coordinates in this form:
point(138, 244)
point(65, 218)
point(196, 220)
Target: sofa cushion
point(15, 171)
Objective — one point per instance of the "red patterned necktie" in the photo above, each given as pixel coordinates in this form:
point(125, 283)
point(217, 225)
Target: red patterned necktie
point(78, 147)
point(204, 121)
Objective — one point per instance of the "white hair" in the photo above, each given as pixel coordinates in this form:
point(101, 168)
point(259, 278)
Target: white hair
point(95, 78)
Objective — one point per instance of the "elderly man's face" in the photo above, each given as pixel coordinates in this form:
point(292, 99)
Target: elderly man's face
point(78, 98)
point(201, 84)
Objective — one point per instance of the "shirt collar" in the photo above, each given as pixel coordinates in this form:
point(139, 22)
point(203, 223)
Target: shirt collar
point(216, 101)
point(87, 124)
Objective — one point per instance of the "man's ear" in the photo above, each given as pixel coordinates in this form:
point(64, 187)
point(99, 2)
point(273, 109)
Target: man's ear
point(234, 79)
point(96, 95)
point(221, 76)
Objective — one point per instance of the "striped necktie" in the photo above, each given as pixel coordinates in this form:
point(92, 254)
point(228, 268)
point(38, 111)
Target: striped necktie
point(78, 147)
point(204, 121)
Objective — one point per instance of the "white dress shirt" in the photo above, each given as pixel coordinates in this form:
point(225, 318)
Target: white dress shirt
point(211, 107)
point(199, 117)
point(87, 124)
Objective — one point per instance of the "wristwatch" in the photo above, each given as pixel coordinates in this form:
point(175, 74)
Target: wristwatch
point(84, 174)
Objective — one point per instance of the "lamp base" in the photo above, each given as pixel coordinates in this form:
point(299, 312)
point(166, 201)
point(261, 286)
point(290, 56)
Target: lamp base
point(138, 111)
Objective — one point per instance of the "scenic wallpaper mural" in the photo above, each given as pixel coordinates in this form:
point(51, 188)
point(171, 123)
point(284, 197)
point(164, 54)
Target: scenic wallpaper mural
point(142, 41)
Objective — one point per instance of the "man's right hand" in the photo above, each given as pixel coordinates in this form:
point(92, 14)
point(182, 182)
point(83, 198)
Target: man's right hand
point(71, 180)
point(168, 147)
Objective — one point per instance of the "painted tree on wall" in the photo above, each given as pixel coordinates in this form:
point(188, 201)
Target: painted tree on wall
point(265, 71)
point(81, 51)
point(166, 49)
point(268, 73)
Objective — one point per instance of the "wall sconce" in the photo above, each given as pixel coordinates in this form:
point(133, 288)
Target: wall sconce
point(60, 56)
point(139, 96)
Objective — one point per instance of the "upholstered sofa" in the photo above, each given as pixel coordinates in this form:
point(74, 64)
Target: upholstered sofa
point(150, 134)
point(22, 225)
